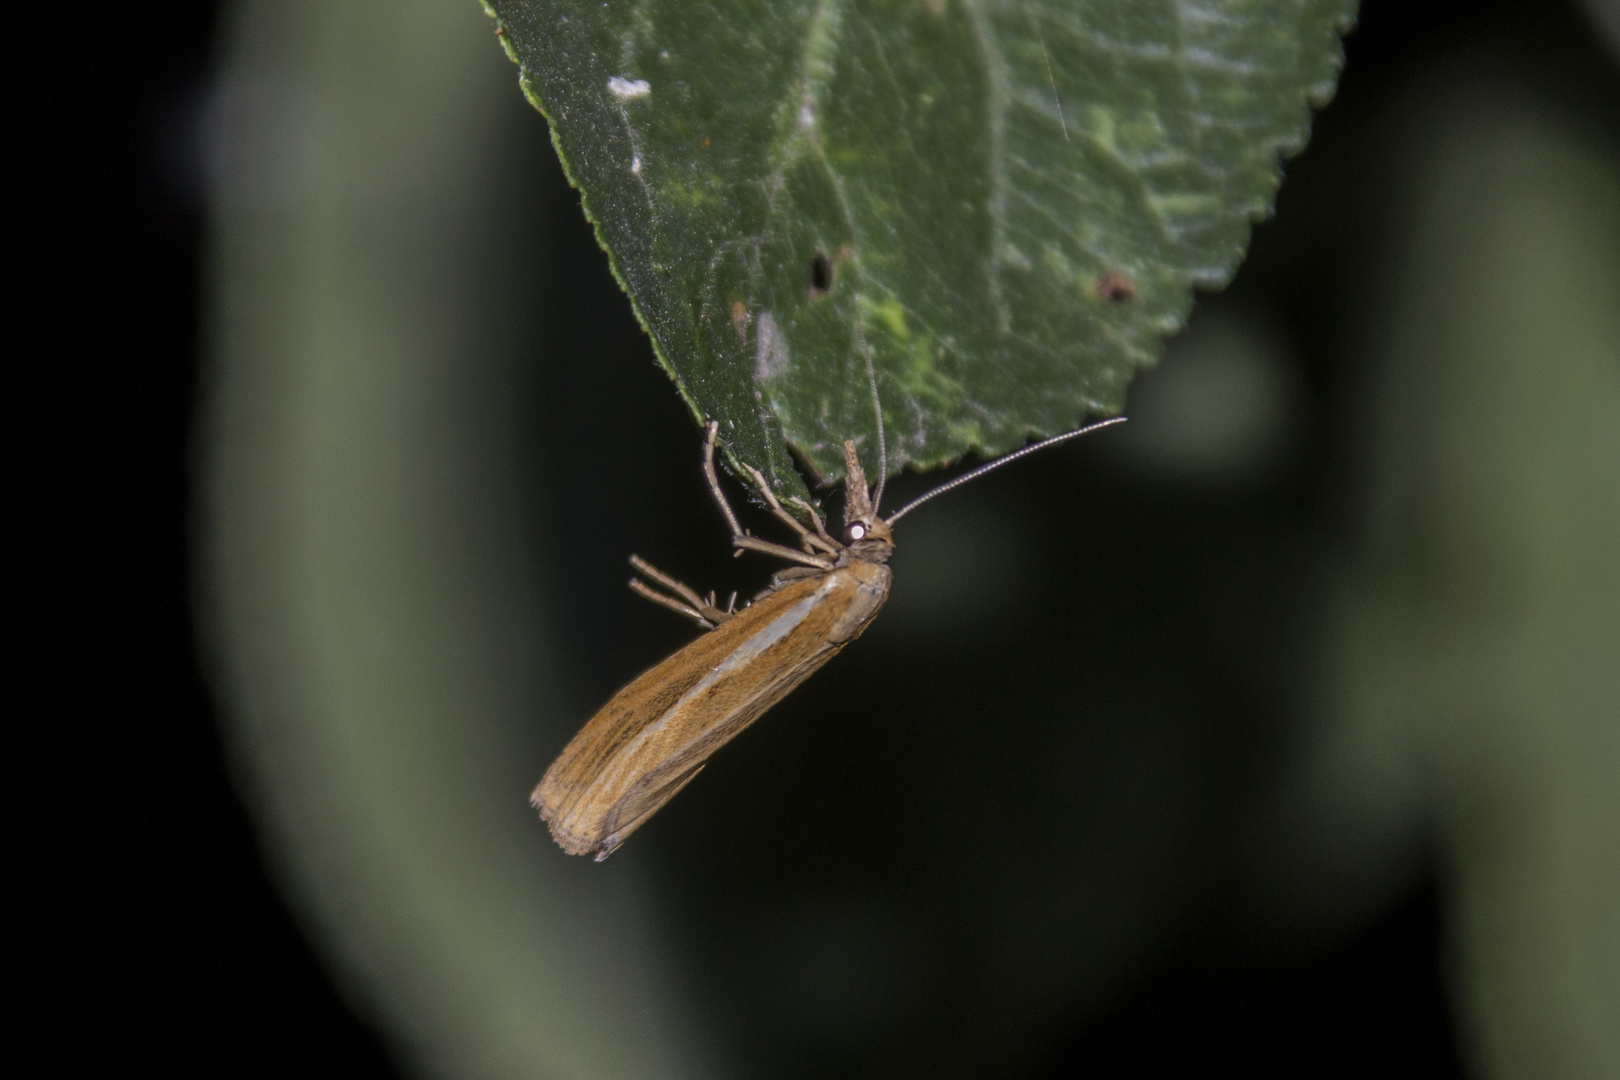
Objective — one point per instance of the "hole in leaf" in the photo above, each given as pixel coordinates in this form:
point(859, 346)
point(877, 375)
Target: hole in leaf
point(821, 275)
point(1116, 287)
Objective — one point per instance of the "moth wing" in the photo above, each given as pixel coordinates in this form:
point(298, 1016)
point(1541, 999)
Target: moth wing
point(631, 811)
point(656, 734)
point(649, 793)
point(626, 753)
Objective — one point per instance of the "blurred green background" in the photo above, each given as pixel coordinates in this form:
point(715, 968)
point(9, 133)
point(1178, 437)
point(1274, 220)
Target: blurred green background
point(1278, 730)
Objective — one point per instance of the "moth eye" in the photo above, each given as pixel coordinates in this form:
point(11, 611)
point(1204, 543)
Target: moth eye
point(856, 532)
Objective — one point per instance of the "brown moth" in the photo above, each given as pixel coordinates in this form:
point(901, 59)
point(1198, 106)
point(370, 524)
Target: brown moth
point(659, 732)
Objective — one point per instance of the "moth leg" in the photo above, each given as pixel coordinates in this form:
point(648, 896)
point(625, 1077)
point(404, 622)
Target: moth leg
point(670, 602)
point(782, 577)
point(695, 607)
point(674, 586)
point(782, 551)
point(714, 481)
point(740, 538)
point(810, 540)
point(821, 525)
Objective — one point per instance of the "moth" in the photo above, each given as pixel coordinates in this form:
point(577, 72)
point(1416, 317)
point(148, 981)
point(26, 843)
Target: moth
point(658, 733)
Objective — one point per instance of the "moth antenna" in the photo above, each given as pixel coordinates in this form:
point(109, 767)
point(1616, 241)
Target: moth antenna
point(877, 410)
point(1005, 459)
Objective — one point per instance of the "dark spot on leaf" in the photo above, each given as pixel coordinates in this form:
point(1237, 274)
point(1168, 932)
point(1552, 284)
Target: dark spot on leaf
point(821, 275)
point(1116, 287)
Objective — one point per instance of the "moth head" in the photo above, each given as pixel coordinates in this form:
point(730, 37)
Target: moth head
point(861, 522)
point(870, 530)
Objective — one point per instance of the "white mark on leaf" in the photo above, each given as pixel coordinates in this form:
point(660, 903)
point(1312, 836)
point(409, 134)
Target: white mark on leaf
point(1051, 81)
point(625, 89)
point(770, 349)
point(635, 164)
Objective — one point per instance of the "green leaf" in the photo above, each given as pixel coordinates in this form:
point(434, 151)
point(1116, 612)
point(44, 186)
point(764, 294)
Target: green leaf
point(998, 209)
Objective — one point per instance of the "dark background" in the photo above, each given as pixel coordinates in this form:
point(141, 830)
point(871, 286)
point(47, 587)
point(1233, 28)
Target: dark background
point(158, 937)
